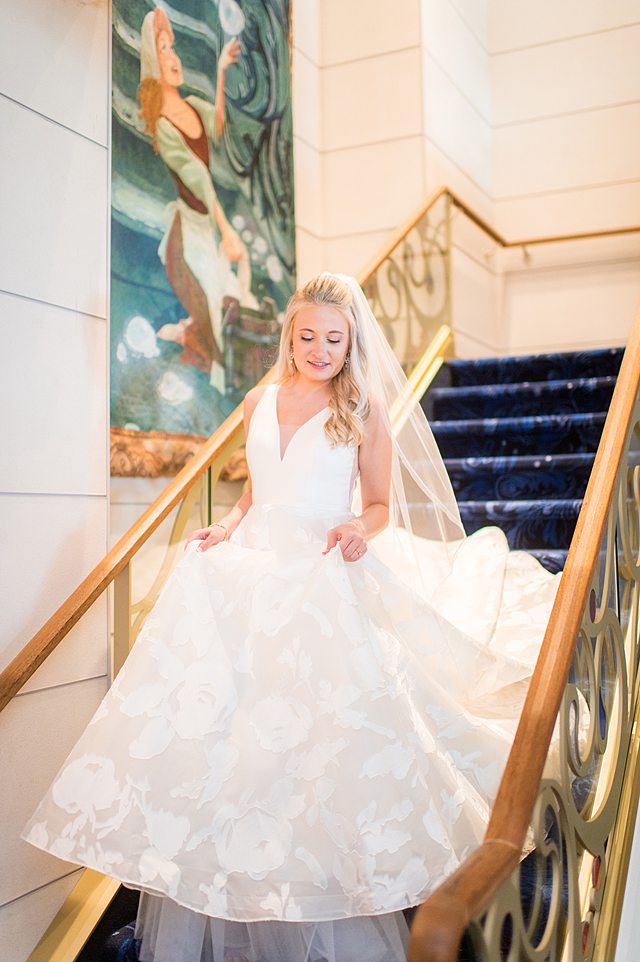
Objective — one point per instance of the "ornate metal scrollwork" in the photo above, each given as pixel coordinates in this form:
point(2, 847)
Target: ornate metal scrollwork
point(550, 908)
point(410, 292)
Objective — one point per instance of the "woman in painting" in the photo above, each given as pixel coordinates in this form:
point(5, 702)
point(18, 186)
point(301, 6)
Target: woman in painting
point(199, 244)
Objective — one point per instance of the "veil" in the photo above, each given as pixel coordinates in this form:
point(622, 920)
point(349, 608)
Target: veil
point(425, 543)
point(422, 500)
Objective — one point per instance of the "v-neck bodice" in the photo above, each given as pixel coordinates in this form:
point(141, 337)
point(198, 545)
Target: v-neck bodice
point(313, 475)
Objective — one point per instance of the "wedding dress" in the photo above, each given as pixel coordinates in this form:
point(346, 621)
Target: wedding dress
point(298, 748)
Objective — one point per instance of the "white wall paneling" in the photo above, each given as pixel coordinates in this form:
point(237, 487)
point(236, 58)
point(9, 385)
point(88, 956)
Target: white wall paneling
point(308, 186)
point(351, 252)
point(598, 252)
point(37, 732)
point(453, 44)
point(54, 108)
point(55, 60)
point(474, 300)
point(51, 543)
point(570, 211)
point(455, 126)
point(442, 170)
point(57, 402)
point(306, 29)
point(361, 106)
point(81, 655)
point(571, 307)
point(466, 345)
point(24, 920)
point(458, 101)
point(307, 136)
point(517, 24)
point(531, 154)
point(309, 254)
point(53, 231)
point(352, 29)
point(307, 102)
point(372, 188)
point(564, 153)
point(475, 16)
point(598, 70)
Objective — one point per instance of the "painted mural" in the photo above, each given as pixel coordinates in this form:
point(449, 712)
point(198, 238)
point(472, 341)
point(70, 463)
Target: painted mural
point(202, 227)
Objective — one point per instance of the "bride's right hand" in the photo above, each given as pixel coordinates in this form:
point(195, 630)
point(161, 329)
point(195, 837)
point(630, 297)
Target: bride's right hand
point(207, 537)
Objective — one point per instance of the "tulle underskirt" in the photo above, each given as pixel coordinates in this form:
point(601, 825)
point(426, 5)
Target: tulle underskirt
point(171, 933)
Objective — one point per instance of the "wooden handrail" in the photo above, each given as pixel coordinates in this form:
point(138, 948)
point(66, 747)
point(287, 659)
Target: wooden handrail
point(545, 239)
point(439, 922)
point(62, 621)
point(18, 672)
point(408, 225)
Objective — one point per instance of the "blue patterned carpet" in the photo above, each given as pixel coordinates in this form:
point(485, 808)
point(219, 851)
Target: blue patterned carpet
point(563, 366)
point(519, 435)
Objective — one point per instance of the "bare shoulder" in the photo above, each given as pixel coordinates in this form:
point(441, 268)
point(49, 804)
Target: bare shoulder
point(377, 407)
point(251, 399)
point(378, 416)
point(375, 441)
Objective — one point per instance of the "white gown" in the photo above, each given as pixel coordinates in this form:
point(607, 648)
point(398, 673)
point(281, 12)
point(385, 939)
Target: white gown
point(296, 741)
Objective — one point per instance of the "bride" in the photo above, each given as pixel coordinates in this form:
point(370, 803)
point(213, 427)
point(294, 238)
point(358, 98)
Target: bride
point(309, 732)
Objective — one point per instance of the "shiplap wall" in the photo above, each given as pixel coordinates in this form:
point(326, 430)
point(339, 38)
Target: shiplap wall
point(54, 165)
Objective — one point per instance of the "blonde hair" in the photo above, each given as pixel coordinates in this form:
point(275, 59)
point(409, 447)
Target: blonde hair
point(150, 101)
point(349, 400)
point(150, 96)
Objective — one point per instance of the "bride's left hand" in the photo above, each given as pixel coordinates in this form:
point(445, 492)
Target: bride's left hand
point(351, 538)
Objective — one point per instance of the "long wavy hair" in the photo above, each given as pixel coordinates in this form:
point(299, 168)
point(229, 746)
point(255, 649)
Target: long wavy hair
point(349, 399)
point(150, 95)
point(150, 103)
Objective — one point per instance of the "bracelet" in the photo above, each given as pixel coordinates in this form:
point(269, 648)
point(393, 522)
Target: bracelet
point(218, 524)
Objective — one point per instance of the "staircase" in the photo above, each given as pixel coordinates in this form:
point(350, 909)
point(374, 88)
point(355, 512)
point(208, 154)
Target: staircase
point(519, 436)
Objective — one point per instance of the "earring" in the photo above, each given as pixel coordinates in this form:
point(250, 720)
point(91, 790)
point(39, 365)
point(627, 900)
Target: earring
point(291, 358)
point(346, 360)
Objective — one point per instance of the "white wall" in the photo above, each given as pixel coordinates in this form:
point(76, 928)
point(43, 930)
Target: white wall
point(457, 127)
point(307, 135)
point(358, 144)
point(54, 114)
point(373, 157)
point(458, 147)
point(566, 128)
point(566, 96)
point(530, 113)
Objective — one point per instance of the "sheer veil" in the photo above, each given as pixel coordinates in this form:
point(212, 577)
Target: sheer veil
point(422, 499)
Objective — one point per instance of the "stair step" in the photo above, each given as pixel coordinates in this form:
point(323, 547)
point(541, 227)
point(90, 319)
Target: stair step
point(553, 559)
point(577, 396)
point(539, 434)
point(520, 477)
point(527, 524)
point(565, 365)
point(112, 940)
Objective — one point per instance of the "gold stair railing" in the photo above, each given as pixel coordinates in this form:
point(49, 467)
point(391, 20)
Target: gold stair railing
point(572, 778)
point(409, 286)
